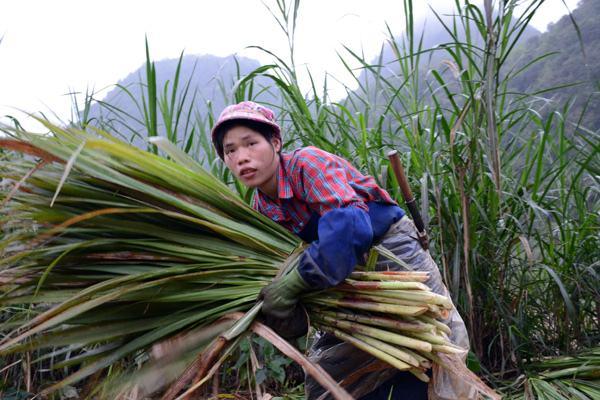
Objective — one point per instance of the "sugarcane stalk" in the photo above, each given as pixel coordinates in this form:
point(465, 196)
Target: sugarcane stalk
point(398, 364)
point(386, 336)
point(409, 276)
point(385, 285)
point(425, 359)
point(373, 298)
point(431, 357)
point(394, 272)
point(419, 374)
point(369, 306)
point(389, 349)
point(431, 338)
point(399, 276)
point(433, 309)
point(423, 296)
point(381, 321)
point(443, 314)
point(439, 325)
point(446, 349)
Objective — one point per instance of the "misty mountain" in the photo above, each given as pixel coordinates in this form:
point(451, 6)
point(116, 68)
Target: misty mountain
point(574, 62)
point(205, 83)
point(433, 35)
point(212, 78)
point(569, 65)
point(430, 38)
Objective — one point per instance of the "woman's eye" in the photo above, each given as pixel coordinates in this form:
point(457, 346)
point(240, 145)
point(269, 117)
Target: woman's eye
point(251, 143)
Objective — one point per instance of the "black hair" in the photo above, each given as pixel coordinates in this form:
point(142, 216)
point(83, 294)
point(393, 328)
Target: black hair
point(267, 131)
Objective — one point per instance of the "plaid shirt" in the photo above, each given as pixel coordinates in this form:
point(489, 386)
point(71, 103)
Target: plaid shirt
point(313, 180)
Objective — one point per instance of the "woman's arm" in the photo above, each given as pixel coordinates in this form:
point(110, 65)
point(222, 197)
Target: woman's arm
point(345, 234)
point(322, 181)
point(345, 231)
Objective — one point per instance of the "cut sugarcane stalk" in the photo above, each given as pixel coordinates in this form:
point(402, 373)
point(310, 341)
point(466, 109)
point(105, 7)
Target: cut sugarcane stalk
point(424, 361)
point(377, 307)
point(411, 276)
point(446, 349)
point(373, 298)
point(414, 295)
point(419, 374)
point(389, 349)
point(386, 285)
point(431, 338)
point(386, 336)
point(439, 325)
point(398, 364)
point(394, 324)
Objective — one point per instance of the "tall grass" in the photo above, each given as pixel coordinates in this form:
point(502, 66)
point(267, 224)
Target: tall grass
point(510, 193)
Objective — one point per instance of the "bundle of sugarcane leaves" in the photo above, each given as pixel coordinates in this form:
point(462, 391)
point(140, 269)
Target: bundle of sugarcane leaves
point(120, 253)
point(560, 378)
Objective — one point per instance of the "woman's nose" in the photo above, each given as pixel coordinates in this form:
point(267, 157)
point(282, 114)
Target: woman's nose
point(242, 156)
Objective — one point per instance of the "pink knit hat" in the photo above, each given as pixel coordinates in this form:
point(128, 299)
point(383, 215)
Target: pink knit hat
point(246, 110)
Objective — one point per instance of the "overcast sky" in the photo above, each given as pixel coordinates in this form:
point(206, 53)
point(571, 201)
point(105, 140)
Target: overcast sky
point(49, 48)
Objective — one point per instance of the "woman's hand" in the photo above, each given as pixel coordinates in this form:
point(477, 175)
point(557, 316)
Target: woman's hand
point(281, 296)
point(281, 309)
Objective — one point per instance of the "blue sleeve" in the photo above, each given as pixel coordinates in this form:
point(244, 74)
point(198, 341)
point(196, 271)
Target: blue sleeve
point(345, 235)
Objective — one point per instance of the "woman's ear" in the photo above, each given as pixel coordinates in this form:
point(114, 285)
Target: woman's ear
point(276, 144)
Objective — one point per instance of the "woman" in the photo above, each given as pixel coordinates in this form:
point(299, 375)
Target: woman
point(328, 203)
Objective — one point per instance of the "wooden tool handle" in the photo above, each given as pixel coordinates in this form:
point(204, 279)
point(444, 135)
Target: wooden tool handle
point(411, 204)
point(400, 176)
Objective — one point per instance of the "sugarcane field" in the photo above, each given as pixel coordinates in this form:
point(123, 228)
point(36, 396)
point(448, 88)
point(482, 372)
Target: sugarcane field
point(300, 200)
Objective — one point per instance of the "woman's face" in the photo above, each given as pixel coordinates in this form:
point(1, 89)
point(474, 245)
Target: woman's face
point(252, 158)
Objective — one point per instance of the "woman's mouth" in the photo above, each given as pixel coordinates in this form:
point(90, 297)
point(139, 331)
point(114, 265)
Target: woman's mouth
point(247, 173)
